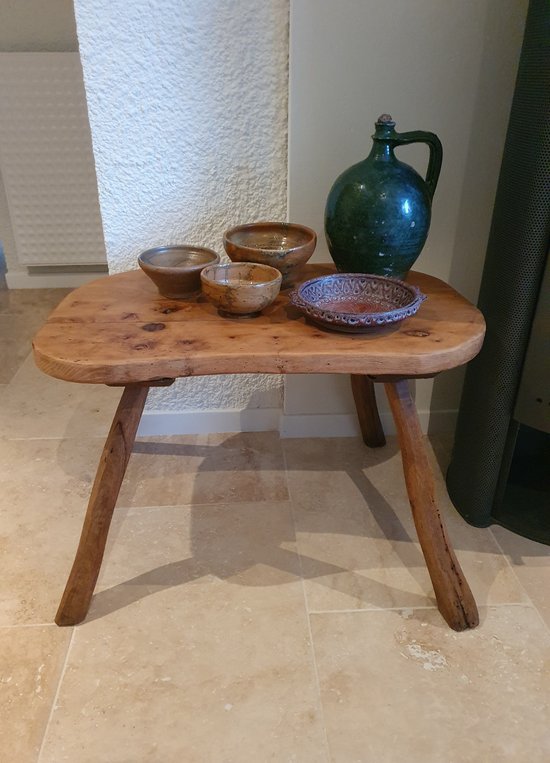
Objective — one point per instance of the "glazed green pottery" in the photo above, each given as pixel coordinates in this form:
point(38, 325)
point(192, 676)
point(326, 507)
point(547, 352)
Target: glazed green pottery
point(378, 212)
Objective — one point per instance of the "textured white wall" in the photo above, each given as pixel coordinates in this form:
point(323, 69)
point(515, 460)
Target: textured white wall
point(188, 110)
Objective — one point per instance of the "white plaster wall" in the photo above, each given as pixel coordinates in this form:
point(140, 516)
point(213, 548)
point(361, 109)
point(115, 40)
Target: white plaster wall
point(188, 110)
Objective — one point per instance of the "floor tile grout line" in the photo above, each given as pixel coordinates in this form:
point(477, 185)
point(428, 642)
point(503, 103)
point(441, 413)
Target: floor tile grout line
point(315, 671)
point(132, 509)
point(286, 483)
point(306, 613)
point(101, 437)
point(30, 625)
point(527, 604)
point(56, 695)
point(524, 589)
point(369, 609)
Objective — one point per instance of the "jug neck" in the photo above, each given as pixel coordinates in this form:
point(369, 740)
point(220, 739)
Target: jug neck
point(384, 139)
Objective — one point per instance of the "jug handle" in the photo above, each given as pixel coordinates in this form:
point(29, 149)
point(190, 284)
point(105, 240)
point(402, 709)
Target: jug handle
point(436, 153)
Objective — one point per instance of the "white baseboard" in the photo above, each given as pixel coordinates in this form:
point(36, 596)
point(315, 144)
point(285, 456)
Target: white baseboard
point(347, 425)
point(24, 280)
point(159, 423)
point(319, 425)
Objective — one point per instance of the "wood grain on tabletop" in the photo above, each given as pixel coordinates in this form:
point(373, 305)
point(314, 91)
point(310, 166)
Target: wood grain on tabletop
point(120, 330)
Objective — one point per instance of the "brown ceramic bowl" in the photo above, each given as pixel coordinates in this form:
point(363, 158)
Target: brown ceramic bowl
point(176, 270)
point(241, 288)
point(285, 246)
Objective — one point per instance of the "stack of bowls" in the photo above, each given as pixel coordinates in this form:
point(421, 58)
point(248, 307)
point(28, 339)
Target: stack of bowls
point(266, 257)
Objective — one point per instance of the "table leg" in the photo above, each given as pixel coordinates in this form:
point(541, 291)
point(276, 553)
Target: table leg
point(454, 597)
point(77, 596)
point(367, 411)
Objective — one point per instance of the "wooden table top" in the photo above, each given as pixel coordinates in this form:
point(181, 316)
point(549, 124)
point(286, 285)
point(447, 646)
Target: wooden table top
point(119, 330)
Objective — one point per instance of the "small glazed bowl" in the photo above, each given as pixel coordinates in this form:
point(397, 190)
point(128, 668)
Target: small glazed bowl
point(241, 288)
point(285, 246)
point(176, 270)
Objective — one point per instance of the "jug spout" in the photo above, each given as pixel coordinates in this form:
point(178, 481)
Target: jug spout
point(384, 128)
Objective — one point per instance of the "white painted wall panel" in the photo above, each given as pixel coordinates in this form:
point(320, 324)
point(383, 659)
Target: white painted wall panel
point(447, 67)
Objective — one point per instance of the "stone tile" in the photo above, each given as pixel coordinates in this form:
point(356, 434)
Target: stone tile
point(531, 563)
point(356, 535)
point(205, 469)
point(199, 649)
point(404, 687)
point(22, 313)
point(490, 577)
point(44, 488)
point(248, 544)
point(31, 661)
point(36, 405)
point(36, 303)
point(15, 345)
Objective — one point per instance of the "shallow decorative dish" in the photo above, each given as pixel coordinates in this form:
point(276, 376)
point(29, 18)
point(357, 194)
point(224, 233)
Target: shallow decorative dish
point(284, 246)
point(176, 270)
point(356, 302)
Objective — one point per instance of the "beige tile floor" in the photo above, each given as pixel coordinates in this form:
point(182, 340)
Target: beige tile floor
point(260, 600)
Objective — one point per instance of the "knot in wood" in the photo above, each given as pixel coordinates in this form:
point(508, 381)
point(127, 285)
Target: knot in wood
point(417, 333)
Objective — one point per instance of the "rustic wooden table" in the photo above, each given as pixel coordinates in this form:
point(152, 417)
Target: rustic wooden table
point(119, 331)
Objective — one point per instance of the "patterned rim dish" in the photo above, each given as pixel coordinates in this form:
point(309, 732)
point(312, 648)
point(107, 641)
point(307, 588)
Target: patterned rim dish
point(356, 302)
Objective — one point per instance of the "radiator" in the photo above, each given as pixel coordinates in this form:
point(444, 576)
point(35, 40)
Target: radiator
point(46, 161)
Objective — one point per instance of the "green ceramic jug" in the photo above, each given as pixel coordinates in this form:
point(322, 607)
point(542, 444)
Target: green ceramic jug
point(378, 212)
